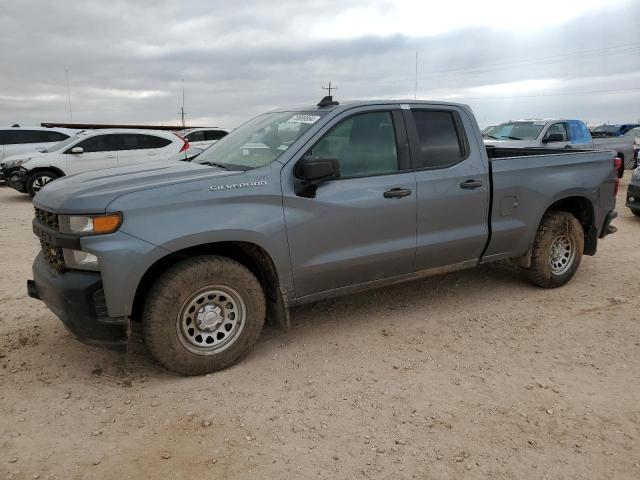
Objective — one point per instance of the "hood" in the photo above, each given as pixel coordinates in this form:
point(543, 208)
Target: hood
point(511, 143)
point(91, 192)
point(22, 155)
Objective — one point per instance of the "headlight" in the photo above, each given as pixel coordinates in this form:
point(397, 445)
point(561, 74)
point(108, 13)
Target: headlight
point(90, 224)
point(15, 163)
point(79, 260)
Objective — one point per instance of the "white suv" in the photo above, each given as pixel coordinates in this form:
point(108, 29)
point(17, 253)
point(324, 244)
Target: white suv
point(204, 137)
point(15, 140)
point(96, 150)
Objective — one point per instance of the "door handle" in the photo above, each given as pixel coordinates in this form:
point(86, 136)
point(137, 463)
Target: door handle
point(397, 193)
point(152, 153)
point(109, 156)
point(470, 184)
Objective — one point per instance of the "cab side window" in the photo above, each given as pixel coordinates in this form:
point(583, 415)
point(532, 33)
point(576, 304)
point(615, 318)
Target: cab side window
point(440, 139)
point(558, 128)
point(364, 145)
point(98, 143)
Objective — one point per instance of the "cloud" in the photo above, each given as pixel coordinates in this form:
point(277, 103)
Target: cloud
point(126, 60)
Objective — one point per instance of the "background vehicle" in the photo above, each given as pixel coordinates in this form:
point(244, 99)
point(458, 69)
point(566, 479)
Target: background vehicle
point(14, 140)
point(635, 134)
point(633, 193)
point(547, 133)
point(204, 137)
point(187, 155)
point(96, 150)
point(611, 137)
point(342, 198)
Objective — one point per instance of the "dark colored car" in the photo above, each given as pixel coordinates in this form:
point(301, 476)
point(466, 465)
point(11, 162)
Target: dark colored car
point(633, 193)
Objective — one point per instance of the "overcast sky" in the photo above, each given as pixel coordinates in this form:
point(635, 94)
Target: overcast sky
point(126, 59)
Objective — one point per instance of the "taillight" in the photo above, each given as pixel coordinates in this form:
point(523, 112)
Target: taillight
point(617, 165)
point(185, 146)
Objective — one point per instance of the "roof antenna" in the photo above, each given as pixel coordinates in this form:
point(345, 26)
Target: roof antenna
point(66, 74)
point(328, 100)
point(182, 108)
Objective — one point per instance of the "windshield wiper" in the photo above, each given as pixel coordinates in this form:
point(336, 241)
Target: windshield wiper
point(511, 138)
point(490, 136)
point(226, 166)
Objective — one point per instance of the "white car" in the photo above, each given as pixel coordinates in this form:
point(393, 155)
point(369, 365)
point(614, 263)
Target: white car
point(204, 137)
point(14, 140)
point(95, 150)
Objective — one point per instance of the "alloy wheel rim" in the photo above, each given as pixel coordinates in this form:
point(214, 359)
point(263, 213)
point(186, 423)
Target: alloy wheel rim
point(40, 182)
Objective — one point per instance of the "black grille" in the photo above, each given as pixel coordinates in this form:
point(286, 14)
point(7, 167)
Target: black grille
point(53, 255)
point(48, 218)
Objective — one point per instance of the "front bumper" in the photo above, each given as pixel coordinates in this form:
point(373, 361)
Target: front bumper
point(77, 298)
point(16, 178)
point(633, 192)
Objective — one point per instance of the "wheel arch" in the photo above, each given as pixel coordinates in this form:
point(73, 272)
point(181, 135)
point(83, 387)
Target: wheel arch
point(55, 170)
point(251, 255)
point(581, 208)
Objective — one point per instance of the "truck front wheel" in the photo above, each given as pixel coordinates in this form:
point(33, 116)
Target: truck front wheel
point(203, 314)
point(557, 250)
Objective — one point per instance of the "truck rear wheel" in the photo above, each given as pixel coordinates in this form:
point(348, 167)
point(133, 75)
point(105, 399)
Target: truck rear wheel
point(557, 250)
point(203, 314)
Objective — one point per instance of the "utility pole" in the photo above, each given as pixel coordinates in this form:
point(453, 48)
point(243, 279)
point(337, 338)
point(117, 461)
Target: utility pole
point(66, 74)
point(182, 108)
point(329, 88)
point(415, 88)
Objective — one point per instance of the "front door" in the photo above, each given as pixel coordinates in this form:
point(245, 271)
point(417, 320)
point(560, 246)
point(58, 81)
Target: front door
point(560, 138)
point(98, 152)
point(361, 227)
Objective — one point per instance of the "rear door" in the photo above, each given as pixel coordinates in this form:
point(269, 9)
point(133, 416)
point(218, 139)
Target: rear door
point(361, 227)
point(135, 148)
point(452, 186)
point(99, 151)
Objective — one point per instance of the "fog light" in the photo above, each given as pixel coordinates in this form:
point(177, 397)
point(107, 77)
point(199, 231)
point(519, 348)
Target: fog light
point(79, 260)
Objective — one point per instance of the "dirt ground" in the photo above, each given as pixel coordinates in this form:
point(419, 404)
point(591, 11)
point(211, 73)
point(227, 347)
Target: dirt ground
point(473, 375)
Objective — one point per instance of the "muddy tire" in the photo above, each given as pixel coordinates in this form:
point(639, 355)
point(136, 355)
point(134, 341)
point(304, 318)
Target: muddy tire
point(203, 314)
point(557, 250)
point(38, 180)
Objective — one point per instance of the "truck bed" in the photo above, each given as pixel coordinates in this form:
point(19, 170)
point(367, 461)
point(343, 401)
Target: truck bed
point(526, 182)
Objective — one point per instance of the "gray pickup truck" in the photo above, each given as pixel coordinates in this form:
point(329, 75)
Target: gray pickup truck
point(300, 205)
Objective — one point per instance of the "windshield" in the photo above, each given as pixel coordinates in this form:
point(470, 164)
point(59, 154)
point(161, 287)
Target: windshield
point(516, 131)
point(259, 141)
point(613, 129)
point(62, 144)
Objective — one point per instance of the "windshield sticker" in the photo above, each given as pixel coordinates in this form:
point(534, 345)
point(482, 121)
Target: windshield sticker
point(310, 119)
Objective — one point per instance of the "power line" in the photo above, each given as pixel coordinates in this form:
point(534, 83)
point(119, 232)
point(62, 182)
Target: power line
point(618, 90)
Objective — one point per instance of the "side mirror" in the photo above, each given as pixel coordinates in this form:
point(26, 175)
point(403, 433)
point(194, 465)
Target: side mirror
point(315, 170)
point(312, 171)
point(553, 137)
point(77, 150)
